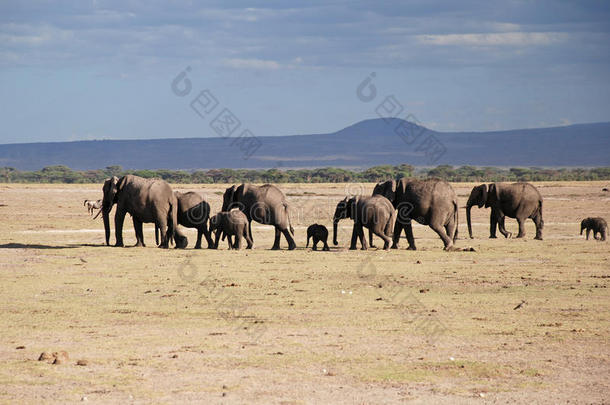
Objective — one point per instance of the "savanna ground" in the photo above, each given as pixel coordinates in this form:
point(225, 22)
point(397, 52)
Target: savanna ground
point(265, 326)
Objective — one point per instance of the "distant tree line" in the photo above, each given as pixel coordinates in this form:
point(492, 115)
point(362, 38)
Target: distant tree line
point(63, 174)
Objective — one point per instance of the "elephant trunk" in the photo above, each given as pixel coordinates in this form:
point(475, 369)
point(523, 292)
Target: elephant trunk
point(105, 216)
point(468, 207)
point(335, 224)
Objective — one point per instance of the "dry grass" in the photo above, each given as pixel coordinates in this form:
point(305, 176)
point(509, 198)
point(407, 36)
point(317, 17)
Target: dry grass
point(267, 326)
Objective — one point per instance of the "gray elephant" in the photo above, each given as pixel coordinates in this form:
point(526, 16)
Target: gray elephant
point(431, 202)
point(375, 213)
point(146, 200)
point(597, 225)
point(319, 233)
point(229, 224)
point(264, 204)
point(193, 212)
point(517, 200)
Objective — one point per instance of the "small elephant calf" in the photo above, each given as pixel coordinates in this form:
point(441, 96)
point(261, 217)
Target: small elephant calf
point(229, 224)
point(597, 225)
point(318, 233)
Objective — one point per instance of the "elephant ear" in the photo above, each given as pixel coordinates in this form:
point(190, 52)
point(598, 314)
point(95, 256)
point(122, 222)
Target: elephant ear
point(482, 196)
point(110, 190)
point(120, 183)
point(388, 189)
point(227, 198)
point(239, 192)
point(492, 194)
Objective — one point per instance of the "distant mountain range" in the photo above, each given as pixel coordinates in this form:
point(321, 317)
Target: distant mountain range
point(364, 144)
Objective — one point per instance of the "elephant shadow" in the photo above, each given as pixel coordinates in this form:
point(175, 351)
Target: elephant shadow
point(39, 246)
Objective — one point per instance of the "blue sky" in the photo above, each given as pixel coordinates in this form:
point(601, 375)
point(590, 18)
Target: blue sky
point(73, 70)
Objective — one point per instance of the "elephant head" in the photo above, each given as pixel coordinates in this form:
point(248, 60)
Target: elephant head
point(481, 196)
point(214, 222)
point(478, 197)
point(231, 196)
point(111, 189)
point(386, 189)
point(344, 210)
point(583, 224)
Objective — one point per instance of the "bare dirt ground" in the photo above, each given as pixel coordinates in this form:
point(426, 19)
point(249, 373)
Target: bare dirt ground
point(261, 326)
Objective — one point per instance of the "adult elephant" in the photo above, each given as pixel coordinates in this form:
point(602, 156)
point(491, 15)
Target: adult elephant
point(146, 200)
point(518, 200)
point(193, 212)
point(264, 204)
point(375, 213)
point(431, 202)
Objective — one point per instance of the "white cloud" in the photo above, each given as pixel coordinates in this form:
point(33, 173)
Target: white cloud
point(494, 39)
point(239, 63)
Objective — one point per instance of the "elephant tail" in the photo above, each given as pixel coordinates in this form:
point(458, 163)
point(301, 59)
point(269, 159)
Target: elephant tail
point(288, 216)
point(540, 213)
point(389, 226)
point(172, 222)
point(456, 219)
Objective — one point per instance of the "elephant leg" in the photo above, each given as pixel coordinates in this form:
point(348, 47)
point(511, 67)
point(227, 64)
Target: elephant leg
point(217, 239)
point(588, 231)
point(386, 239)
point(276, 242)
point(119, 218)
point(199, 235)
point(352, 245)
point(248, 238)
point(237, 244)
point(501, 226)
point(398, 227)
point(410, 238)
point(539, 225)
point(521, 223)
point(440, 230)
point(362, 238)
point(291, 244)
point(163, 230)
point(207, 234)
point(371, 238)
point(325, 248)
point(315, 243)
point(493, 222)
point(137, 226)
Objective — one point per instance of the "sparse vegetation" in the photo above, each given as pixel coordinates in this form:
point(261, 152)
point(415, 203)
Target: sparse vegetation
point(63, 174)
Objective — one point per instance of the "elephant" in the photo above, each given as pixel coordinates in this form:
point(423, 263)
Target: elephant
point(264, 204)
point(517, 200)
point(431, 202)
point(146, 200)
point(229, 224)
point(597, 225)
point(373, 212)
point(193, 212)
point(319, 233)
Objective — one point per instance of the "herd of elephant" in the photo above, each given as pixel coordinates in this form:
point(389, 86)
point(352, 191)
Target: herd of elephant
point(390, 210)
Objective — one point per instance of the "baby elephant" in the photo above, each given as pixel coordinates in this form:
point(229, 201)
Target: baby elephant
point(597, 225)
point(319, 233)
point(229, 224)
